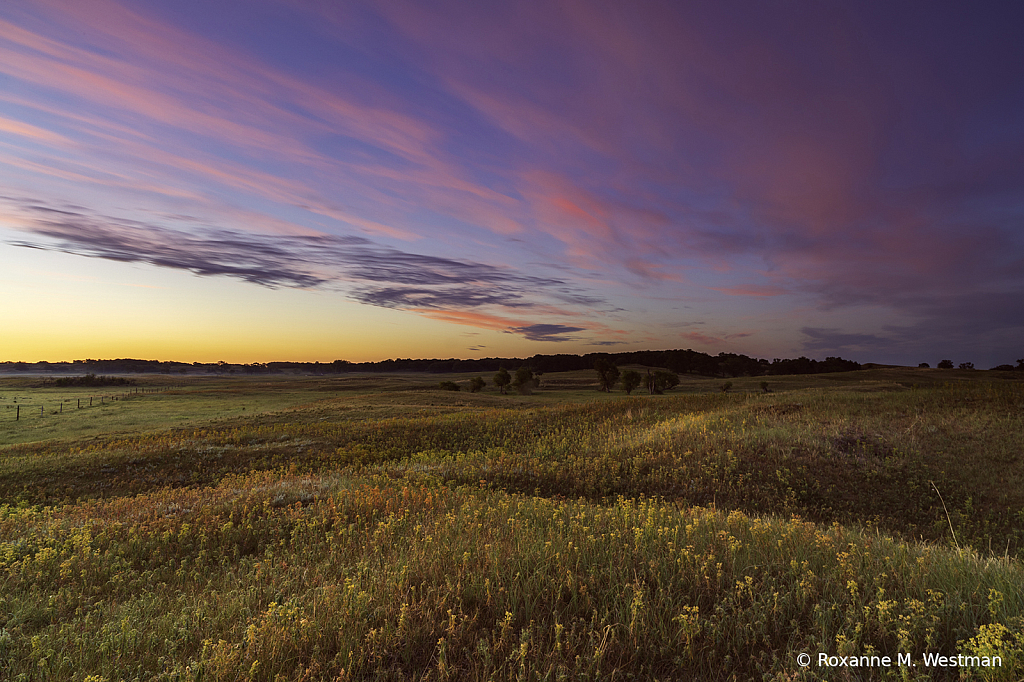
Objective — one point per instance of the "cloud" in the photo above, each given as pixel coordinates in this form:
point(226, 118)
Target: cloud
point(833, 341)
point(675, 148)
point(442, 288)
point(756, 290)
point(547, 332)
point(703, 339)
point(457, 297)
point(278, 260)
point(144, 105)
point(667, 137)
point(529, 331)
point(984, 327)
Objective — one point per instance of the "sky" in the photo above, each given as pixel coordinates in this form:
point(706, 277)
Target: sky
point(316, 180)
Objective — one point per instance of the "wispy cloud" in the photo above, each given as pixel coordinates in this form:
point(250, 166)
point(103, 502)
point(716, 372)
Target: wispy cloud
point(547, 332)
point(703, 339)
point(445, 288)
point(828, 340)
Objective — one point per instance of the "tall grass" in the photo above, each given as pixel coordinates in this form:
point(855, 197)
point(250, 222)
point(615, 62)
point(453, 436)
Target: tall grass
point(678, 538)
point(265, 576)
point(851, 457)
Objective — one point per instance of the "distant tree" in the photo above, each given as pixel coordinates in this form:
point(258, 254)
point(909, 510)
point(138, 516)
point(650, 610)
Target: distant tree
point(502, 379)
point(924, 365)
point(93, 380)
point(966, 365)
point(666, 380)
point(660, 381)
point(607, 374)
point(945, 364)
point(476, 384)
point(630, 380)
point(1002, 368)
point(448, 386)
point(523, 382)
point(1020, 364)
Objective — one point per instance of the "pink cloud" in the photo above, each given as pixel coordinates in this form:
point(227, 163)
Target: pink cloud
point(472, 319)
point(756, 290)
point(703, 339)
point(170, 79)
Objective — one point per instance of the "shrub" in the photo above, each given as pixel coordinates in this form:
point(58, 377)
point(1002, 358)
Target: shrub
point(726, 386)
point(476, 384)
point(448, 386)
point(945, 364)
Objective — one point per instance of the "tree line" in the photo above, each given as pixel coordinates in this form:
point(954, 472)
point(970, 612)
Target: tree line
point(726, 365)
point(677, 361)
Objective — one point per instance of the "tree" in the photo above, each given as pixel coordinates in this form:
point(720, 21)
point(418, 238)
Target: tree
point(502, 379)
point(1020, 364)
point(668, 380)
point(945, 364)
point(607, 374)
point(523, 383)
point(660, 381)
point(630, 380)
point(924, 365)
point(966, 365)
point(726, 386)
point(476, 384)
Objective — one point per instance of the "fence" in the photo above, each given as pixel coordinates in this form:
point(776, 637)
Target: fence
point(94, 400)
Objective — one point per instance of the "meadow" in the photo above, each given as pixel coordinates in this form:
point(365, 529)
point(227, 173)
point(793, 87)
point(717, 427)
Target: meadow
point(376, 527)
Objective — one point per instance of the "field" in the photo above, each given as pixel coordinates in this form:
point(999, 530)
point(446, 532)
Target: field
point(376, 527)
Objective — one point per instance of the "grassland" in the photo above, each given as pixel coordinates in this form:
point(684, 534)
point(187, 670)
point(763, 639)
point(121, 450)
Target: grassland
point(377, 528)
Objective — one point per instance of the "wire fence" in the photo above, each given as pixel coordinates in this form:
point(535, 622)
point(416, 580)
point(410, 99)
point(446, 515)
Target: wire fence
point(26, 410)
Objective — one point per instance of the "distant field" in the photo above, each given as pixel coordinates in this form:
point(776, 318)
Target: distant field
point(168, 402)
point(374, 526)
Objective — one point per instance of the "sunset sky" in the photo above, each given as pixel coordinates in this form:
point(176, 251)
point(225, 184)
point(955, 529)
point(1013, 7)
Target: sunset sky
point(314, 180)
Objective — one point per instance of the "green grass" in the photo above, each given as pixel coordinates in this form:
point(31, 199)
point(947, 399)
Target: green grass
point(377, 528)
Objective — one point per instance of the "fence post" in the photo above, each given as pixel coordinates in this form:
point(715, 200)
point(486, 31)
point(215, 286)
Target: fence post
point(17, 413)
